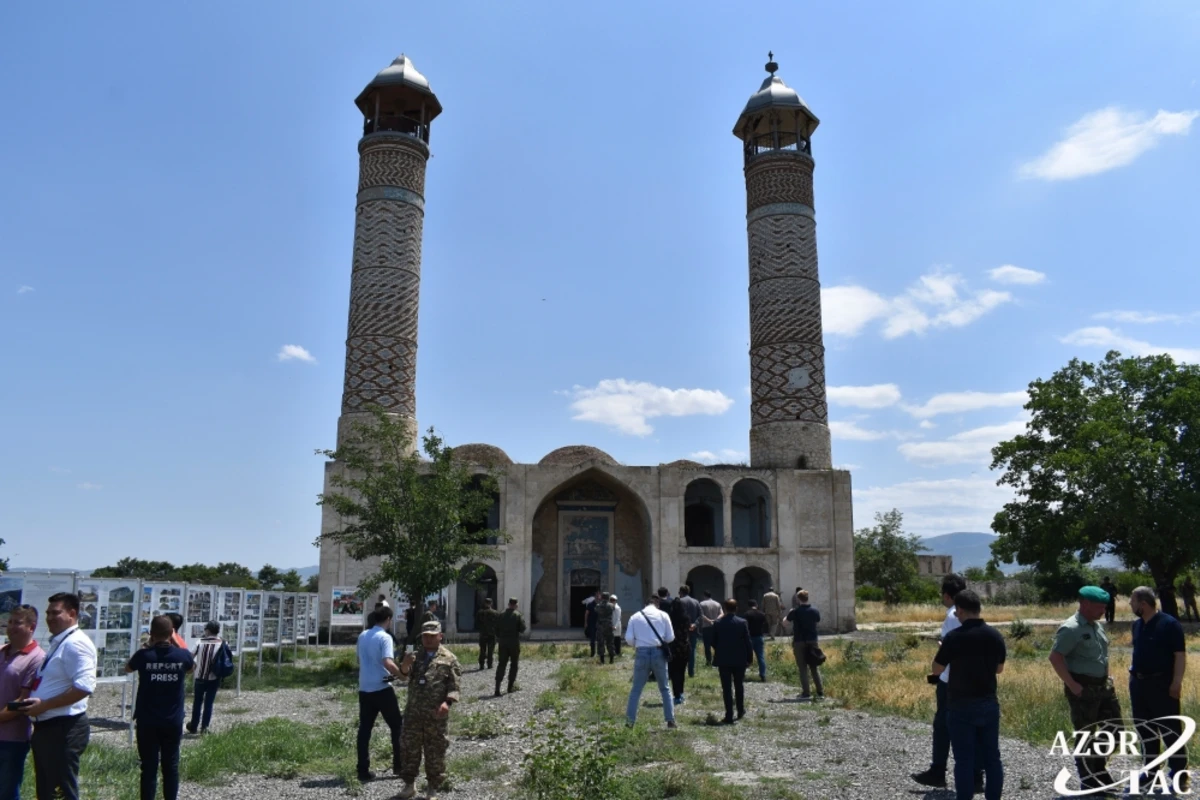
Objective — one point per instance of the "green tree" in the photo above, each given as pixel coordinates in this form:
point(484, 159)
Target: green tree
point(418, 516)
point(886, 557)
point(137, 568)
point(291, 580)
point(269, 577)
point(312, 585)
point(1109, 463)
point(3, 561)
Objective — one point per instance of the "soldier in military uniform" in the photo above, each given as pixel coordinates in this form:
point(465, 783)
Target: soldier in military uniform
point(604, 628)
point(485, 623)
point(509, 627)
point(1080, 658)
point(433, 688)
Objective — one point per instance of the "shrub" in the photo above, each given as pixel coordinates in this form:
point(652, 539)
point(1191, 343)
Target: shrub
point(854, 655)
point(480, 725)
point(565, 764)
point(1021, 594)
point(868, 594)
point(1019, 629)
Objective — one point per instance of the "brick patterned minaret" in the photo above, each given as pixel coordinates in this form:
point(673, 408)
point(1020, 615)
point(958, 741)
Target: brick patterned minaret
point(381, 339)
point(789, 422)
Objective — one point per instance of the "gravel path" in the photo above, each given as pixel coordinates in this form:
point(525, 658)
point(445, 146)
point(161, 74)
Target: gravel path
point(815, 751)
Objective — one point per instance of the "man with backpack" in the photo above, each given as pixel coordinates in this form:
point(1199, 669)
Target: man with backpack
point(161, 668)
point(214, 661)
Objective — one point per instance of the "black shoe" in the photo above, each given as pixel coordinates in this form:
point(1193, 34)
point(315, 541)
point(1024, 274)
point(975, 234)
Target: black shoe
point(512, 687)
point(366, 777)
point(190, 728)
point(671, 726)
point(741, 714)
point(727, 721)
point(497, 692)
point(930, 777)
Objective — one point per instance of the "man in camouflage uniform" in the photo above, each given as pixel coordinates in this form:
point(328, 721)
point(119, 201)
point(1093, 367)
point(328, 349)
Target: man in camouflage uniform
point(433, 687)
point(509, 628)
point(605, 634)
point(1080, 658)
point(485, 623)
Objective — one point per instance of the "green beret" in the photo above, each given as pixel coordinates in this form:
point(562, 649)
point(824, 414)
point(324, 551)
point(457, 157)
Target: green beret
point(1095, 594)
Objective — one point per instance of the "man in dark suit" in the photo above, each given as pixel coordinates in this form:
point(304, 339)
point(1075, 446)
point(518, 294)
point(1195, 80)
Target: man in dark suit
point(733, 653)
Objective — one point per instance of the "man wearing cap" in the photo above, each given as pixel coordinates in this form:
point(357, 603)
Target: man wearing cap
point(433, 688)
point(485, 623)
point(509, 628)
point(1080, 658)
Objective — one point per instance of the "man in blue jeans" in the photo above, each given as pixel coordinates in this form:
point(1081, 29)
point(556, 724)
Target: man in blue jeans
point(976, 652)
point(161, 668)
point(205, 680)
point(757, 622)
point(19, 662)
point(648, 630)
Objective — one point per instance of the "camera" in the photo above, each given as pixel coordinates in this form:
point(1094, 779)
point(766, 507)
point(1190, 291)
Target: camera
point(17, 705)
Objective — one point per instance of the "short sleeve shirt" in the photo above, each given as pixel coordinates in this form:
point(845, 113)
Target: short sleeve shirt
point(374, 645)
point(70, 663)
point(1155, 644)
point(975, 649)
point(1084, 645)
point(18, 672)
point(950, 624)
point(161, 672)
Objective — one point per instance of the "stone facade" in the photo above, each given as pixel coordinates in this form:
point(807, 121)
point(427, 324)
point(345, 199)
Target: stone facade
point(578, 520)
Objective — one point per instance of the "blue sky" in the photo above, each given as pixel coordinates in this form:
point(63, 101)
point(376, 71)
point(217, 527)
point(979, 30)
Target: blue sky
point(998, 190)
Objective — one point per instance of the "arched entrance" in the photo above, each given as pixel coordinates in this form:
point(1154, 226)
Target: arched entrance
point(750, 583)
point(476, 583)
point(590, 532)
point(707, 579)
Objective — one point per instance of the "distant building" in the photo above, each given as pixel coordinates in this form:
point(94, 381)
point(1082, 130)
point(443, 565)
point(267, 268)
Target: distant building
point(934, 566)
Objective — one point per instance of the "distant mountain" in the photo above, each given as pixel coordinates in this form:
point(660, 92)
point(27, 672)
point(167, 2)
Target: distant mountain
point(306, 572)
point(967, 549)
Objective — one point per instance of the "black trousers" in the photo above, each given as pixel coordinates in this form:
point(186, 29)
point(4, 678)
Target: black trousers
point(732, 687)
point(57, 745)
point(370, 706)
point(155, 744)
point(1151, 699)
point(677, 672)
point(487, 649)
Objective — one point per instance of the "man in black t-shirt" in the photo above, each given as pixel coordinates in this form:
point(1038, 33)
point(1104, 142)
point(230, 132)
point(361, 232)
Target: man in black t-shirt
point(757, 621)
point(161, 668)
point(976, 652)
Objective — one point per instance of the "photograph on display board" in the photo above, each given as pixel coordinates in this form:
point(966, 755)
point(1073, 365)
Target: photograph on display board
point(287, 631)
point(229, 632)
point(195, 631)
point(37, 590)
point(270, 632)
point(170, 600)
point(250, 635)
point(347, 607)
point(273, 605)
point(231, 606)
point(254, 605)
point(10, 596)
point(112, 652)
point(200, 605)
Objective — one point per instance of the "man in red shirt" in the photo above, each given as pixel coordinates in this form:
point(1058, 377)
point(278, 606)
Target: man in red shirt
point(19, 662)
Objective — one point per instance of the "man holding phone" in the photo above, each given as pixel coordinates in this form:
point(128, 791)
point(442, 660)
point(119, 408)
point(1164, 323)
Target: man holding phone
point(59, 704)
point(19, 662)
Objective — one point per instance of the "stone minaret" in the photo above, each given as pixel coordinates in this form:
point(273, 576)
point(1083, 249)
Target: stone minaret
point(789, 423)
point(381, 340)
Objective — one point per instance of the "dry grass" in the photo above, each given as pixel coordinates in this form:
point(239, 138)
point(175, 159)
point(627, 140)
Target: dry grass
point(874, 613)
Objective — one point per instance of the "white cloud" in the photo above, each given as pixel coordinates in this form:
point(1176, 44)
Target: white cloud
point(850, 431)
point(1144, 317)
point(927, 425)
point(880, 395)
point(627, 405)
point(725, 456)
point(23, 289)
point(967, 447)
point(938, 299)
point(1112, 339)
point(1104, 140)
point(1010, 274)
point(88, 486)
point(935, 507)
point(958, 402)
point(294, 352)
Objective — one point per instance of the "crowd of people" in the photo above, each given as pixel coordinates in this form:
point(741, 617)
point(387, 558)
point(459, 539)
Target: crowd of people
point(44, 698)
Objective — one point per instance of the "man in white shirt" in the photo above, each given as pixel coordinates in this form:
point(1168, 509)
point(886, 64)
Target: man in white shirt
point(935, 776)
point(616, 622)
point(60, 695)
point(647, 632)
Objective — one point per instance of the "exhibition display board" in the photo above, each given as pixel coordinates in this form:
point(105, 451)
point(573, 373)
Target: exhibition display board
point(201, 609)
point(345, 607)
point(287, 620)
point(302, 619)
point(106, 614)
point(252, 608)
point(314, 617)
point(229, 614)
point(33, 589)
point(160, 598)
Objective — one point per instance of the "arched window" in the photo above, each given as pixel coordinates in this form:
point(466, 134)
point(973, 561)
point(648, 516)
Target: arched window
point(703, 514)
point(751, 506)
point(750, 583)
point(707, 579)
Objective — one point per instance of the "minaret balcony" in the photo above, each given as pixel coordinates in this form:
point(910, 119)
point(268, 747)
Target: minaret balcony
point(395, 124)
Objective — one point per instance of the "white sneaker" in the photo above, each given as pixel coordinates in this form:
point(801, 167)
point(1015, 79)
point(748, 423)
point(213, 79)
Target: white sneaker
point(407, 792)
